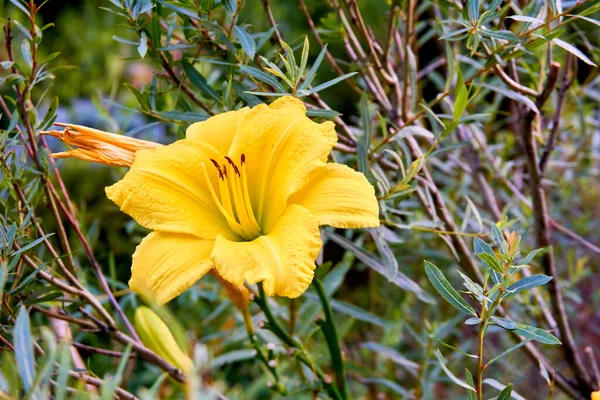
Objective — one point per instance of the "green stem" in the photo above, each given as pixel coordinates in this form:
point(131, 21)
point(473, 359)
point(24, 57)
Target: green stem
point(331, 336)
point(286, 338)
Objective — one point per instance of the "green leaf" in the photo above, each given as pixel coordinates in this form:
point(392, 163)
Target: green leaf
point(461, 99)
point(27, 280)
point(473, 10)
point(304, 57)
point(23, 344)
point(392, 355)
point(499, 239)
point(143, 46)
point(491, 261)
point(482, 247)
point(233, 356)
point(400, 280)
point(505, 394)
point(262, 76)
point(139, 96)
point(331, 82)
point(45, 366)
point(32, 244)
point(247, 42)
point(512, 95)
point(199, 81)
point(313, 70)
point(504, 323)
point(26, 53)
point(573, 50)
point(530, 256)
point(452, 377)
point(528, 282)
point(533, 333)
point(471, 395)
point(64, 362)
point(456, 349)
point(508, 351)
point(445, 289)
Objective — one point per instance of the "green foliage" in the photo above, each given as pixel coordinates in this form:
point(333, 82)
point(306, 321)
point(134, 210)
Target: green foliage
point(459, 113)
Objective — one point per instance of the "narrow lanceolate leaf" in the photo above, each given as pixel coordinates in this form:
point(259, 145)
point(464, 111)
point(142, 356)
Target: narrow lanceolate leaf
point(497, 385)
point(392, 355)
point(491, 261)
point(32, 244)
point(505, 394)
point(499, 239)
point(331, 82)
point(512, 95)
point(452, 377)
point(482, 247)
point(313, 71)
point(262, 76)
point(537, 334)
point(530, 256)
point(445, 289)
point(143, 47)
point(573, 50)
point(247, 42)
point(505, 323)
point(199, 81)
point(23, 344)
point(528, 282)
point(471, 395)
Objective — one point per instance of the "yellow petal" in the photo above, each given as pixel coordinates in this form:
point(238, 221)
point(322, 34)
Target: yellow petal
point(157, 336)
point(596, 395)
point(281, 147)
point(219, 130)
point(99, 146)
point(284, 259)
point(166, 190)
point(166, 264)
point(339, 196)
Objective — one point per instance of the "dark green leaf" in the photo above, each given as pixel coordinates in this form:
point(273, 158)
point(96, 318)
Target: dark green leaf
point(32, 244)
point(199, 81)
point(445, 289)
point(331, 82)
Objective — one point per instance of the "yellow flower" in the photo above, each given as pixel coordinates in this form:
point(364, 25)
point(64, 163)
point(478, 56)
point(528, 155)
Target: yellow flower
point(245, 192)
point(155, 335)
point(596, 395)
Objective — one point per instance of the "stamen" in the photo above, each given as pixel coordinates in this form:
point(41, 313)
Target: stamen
point(216, 164)
point(233, 224)
point(243, 159)
point(230, 161)
point(225, 170)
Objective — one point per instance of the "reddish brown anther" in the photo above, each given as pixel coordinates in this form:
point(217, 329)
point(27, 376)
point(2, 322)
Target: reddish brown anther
point(243, 158)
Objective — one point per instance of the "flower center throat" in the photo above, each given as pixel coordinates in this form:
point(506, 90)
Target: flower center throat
point(233, 200)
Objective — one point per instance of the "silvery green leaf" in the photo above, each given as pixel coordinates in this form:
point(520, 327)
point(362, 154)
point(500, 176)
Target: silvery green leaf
point(389, 259)
point(473, 321)
point(497, 385)
point(537, 334)
point(452, 377)
point(456, 349)
point(400, 280)
point(504, 323)
point(573, 50)
point(331, 82)
point(246, 40)
point(392, 355)
point(23, 344)
point(530, 256)
point(233, 356)
point(511, 94)
point(143, 46)
point(529, 282)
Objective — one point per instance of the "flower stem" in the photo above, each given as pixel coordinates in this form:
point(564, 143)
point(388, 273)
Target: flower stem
point(330, 333)
point(299, 353)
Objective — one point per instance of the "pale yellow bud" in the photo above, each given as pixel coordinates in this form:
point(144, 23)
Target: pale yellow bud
point(99, 146)
point(155, 335)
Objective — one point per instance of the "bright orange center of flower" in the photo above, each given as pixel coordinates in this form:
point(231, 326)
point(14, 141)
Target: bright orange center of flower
point(233, 200)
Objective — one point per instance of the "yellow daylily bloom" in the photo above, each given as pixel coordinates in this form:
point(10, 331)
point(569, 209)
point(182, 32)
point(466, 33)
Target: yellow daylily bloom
point(245, 193)
point(157, 336)
point(596, 395)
